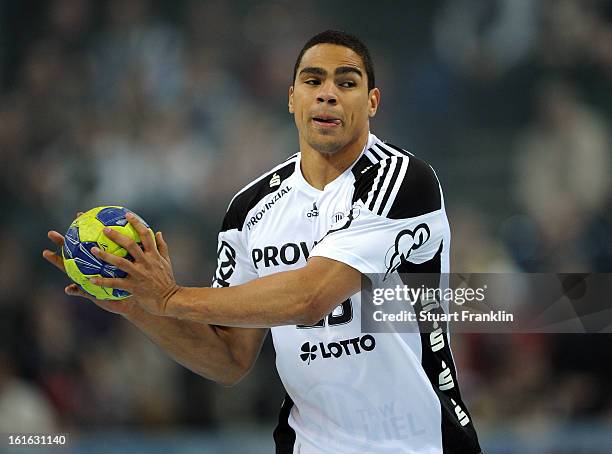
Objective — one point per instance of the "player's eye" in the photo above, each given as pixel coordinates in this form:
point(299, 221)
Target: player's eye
point(312, 82)
point(348, 84)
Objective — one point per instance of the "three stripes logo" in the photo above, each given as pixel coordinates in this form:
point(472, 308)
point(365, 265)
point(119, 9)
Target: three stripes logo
point(391, 169)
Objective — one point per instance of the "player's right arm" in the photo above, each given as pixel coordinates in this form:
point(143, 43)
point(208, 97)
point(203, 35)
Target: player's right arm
point(222, 354)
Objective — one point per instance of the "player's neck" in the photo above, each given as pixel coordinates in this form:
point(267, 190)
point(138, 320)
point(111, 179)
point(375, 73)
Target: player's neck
point(320, 169)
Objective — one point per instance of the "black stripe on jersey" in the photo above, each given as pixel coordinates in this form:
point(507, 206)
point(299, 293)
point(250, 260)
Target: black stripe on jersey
point(396, 172)
point(365, 173)
point(419, 192)
point(456, 438)
point(284, 435)
point(244, 201)
point(385, 153)
point(368, 180)
point(397, 149)
point(291, 157)
point(362, 163)
point(377, 153)
point(379, 184)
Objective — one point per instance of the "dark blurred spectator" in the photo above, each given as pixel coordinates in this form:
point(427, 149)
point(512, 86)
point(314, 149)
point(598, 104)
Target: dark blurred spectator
point(484, 39)
point(563, 166)
point(136, 51)
point(475, 250)
point(23, 408)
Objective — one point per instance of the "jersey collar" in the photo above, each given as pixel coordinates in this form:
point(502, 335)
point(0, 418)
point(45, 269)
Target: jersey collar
point(306, 187)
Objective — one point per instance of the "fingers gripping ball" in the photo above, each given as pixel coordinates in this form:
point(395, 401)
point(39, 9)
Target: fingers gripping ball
point(84, 233)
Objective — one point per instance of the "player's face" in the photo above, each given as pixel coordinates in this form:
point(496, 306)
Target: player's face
point(330, 99)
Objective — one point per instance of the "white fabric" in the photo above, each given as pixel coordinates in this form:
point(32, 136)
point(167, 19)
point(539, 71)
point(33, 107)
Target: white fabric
point(377, 401)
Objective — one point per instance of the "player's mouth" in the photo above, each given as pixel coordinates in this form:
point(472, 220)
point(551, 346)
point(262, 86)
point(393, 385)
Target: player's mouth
point(326, 121)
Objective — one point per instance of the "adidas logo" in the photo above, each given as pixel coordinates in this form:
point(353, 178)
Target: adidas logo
point(275, 180)
point(366, 169)
point(314, 212)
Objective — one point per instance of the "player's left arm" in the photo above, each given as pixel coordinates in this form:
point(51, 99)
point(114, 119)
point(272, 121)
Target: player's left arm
point(302, 296)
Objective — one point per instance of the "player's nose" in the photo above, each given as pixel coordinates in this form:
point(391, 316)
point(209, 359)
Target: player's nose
point(327, 94)
point(327, 98)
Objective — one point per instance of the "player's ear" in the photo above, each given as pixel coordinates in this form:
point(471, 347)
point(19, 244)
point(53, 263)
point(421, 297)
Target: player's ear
point(373, 101)
point(291, 99)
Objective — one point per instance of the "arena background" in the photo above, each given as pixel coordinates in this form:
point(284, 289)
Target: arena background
point(170, 107)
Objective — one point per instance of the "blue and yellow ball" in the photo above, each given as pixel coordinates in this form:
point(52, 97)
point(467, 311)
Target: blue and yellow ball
point(84, 233)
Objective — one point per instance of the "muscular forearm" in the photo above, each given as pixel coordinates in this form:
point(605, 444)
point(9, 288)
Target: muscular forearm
point(202, 348)
point(300, 297)
point(262, 305)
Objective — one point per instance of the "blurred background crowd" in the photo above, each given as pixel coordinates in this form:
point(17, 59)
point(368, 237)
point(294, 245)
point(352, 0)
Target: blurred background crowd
point(169, 108)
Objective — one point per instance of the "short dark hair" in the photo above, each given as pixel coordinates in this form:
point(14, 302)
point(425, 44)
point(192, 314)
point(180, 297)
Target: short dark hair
point(340, 39)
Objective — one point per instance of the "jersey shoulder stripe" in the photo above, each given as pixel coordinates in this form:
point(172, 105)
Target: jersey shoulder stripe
point(394, 183)
point(419, 192)
point(395, 148)
point(252, 193)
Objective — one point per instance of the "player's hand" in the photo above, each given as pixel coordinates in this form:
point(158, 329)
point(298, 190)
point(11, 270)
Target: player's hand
point(150, 277)
point(121, 307)
point(53, 257)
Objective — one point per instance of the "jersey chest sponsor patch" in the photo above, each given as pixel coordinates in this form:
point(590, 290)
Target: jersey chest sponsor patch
point(285, 254)
point(264, 208)
point(345, 347)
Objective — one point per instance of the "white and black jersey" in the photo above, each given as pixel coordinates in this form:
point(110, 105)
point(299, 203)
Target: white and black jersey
point(348, 391)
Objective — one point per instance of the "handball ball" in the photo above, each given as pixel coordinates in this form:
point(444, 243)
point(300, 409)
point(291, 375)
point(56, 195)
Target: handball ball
point(84, 233)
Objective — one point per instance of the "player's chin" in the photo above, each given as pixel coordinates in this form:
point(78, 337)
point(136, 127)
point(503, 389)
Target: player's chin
point(326, 144)
point(328, 149)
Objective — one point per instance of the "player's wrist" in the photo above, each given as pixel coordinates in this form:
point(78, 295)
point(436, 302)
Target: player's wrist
point(170, 301)
point(133, 311)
